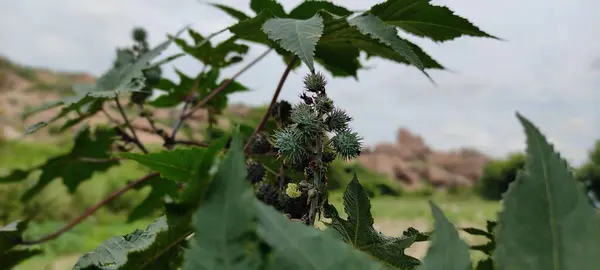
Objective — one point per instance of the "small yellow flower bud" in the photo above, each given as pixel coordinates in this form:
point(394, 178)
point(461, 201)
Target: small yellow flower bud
point(293, 191)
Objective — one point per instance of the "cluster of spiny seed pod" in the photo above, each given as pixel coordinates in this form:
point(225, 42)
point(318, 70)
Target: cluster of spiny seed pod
point(305, 139)
point(311, 135)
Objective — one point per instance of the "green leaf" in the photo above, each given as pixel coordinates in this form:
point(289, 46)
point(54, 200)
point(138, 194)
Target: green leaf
point(180, 164)
point(375, 27)
point(307, 9)
point(70, 167)
point(125, 78)
point(223, 223)
point(486, 264)
point(35, 127)
point(547, 221)
point(447, 250)
point(220, 56)
point(195, 190)
point(296, 246)
point(10, 236)
point(44, 107)
point(251, 29)
point(421, 18)
point(297, 36)
point(12, 258)
point(177, 93)
point(358, 229)
point(161, 187)
point(155, 248)
point(231, 11)
point(341, 43)
point(341, 61)
point(273, 6)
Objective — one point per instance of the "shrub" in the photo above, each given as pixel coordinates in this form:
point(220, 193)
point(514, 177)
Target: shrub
point(589, 173)
point(215, 217)
point(498, 174)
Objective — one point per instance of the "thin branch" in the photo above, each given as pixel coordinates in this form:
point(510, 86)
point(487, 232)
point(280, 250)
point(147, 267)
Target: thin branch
point(110, 118)
point(180, 120)
point(98, 160)
point(89, 211)
point(223, 86)
point(136, 140)
point(263, 121)
point(189, 142)
point(155, 130)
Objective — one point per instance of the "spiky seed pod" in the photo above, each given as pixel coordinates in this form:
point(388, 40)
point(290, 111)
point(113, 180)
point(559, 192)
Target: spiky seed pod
point(347, 144)
point(308, 100)
point(281, 111)
point(289, 145)
point(139, 34)
point(256, 172)
point(324, 105)
point(328, 156)
point(315, 82)
point(337, 121)
point(267, 194)
point(260, 144)
point(307, 121)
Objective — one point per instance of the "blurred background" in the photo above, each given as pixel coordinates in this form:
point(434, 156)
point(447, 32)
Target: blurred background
point(457, 142)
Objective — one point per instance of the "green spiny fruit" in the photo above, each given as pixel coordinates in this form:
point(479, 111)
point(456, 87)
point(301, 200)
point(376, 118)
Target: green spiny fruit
point(289, 145)
point(337, 121)
point(256, 172)
point(347, 144)
point(307, 121)
point(315, 82)
point(324, 105)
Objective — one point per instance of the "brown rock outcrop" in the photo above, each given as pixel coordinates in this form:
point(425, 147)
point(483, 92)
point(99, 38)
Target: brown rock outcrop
point(411, 161)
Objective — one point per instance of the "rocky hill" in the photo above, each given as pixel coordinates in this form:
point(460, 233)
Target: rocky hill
point(409, 160)
point(412, 162)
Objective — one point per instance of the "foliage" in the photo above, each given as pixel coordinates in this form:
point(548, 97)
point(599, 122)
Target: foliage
point(498, 174)
point(249, 197)
point(10, 236)
point(589, 173)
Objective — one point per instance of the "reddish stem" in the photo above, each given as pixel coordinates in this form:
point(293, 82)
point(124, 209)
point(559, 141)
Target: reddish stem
point(89, 211)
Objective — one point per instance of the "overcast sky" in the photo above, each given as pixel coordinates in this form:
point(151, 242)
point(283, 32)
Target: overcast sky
point(548, 68)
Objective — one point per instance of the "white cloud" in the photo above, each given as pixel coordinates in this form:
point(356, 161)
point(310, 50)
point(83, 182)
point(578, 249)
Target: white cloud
point(542, 70)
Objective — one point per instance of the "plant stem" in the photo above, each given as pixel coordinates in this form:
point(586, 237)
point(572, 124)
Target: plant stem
point(319, 175)
point(223, 86)
point(189, 142)
point(98, 160)
point(263, 121)
point(90, 211)
point(136, 140)
point(177, 126)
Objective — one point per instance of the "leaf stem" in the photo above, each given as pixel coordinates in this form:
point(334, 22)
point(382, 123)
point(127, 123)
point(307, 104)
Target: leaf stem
point(136, 140)
point(263, 121)
point(224, 85)
point(90, 211)
point(98, 160)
